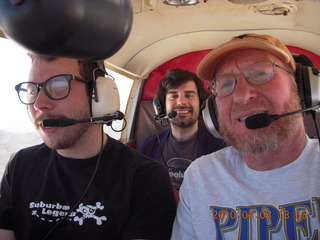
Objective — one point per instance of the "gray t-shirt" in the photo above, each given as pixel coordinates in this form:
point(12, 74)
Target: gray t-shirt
point(222, 198)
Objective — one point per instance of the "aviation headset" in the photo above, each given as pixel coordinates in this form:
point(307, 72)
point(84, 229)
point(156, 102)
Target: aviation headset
point(308, 83)
point(175, 74)
point(103, 94)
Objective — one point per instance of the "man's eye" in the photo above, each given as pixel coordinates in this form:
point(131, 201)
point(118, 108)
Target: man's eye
point(260, 74)
point(225, 85)
point(190, 95)
point(254, 75)
point(32, 92)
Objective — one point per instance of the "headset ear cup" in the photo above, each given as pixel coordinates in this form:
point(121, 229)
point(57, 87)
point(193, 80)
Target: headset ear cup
point(209, 116)
point(202, 101)
point(157, 107)
point(306, 87)
point(308, 81)
point(300, 84)
point(314, 85)
point(105, 97)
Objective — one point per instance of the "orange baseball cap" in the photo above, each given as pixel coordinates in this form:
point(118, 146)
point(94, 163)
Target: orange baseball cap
point(206, 67)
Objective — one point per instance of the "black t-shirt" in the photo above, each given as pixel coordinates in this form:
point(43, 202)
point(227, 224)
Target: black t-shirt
point(130, 198)
point(179, 155)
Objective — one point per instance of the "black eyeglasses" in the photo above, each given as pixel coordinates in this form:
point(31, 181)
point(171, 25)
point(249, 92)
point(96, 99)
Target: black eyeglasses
point(257, 74)
point(56, 88)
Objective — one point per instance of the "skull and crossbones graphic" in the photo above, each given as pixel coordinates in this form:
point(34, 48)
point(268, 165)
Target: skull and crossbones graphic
point(88, 211)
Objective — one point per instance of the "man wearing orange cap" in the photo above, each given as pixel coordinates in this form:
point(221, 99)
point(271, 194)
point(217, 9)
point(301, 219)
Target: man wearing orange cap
point(266, 184)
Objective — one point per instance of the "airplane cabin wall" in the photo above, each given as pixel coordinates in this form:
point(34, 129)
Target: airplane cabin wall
point(190, 62)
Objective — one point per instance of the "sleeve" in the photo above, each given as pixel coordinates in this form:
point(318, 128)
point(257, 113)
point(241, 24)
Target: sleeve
point(150, 147)
point(145, 147)
point(5, 199)
point(208, 143)
point(182, 227)
point(153, 206)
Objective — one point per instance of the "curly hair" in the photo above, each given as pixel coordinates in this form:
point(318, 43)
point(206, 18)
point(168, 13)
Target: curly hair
point(176, 77)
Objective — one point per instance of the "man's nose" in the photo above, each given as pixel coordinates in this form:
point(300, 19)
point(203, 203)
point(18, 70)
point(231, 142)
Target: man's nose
point(181, 100)
point(243, 90)
point(42, 102)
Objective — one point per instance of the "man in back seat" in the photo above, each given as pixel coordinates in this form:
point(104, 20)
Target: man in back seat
point(180, 91)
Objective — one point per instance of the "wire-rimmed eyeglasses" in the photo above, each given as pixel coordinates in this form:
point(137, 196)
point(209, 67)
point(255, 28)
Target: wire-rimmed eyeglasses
point(56, 88)
point(257, 74)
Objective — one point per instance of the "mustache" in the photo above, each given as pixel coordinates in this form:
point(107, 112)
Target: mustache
point(238, 109)
point(183, 108)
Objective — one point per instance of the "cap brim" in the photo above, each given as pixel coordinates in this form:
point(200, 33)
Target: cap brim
point(206, 68)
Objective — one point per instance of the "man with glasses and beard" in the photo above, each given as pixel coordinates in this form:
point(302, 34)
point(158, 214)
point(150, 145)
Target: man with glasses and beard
point(180, 91)
point(265, 185)
point(80, 183)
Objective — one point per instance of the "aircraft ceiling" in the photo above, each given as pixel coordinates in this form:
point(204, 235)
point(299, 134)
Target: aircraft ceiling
point(161, 32)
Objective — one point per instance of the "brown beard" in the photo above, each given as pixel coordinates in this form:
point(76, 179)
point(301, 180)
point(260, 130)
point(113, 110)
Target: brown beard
point(71, 134)
point(268, 138)
point(184, 123)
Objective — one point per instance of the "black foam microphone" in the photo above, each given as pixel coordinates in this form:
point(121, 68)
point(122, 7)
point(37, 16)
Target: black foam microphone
point(161, 117)
point(262, 120)
point(64, 122)
point(171, 114)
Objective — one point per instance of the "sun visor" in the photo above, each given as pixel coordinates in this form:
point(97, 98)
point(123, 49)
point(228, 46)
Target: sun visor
point(82, 29)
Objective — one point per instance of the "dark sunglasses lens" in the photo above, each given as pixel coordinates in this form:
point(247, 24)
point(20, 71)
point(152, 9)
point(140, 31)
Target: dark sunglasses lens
point(57, 87)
